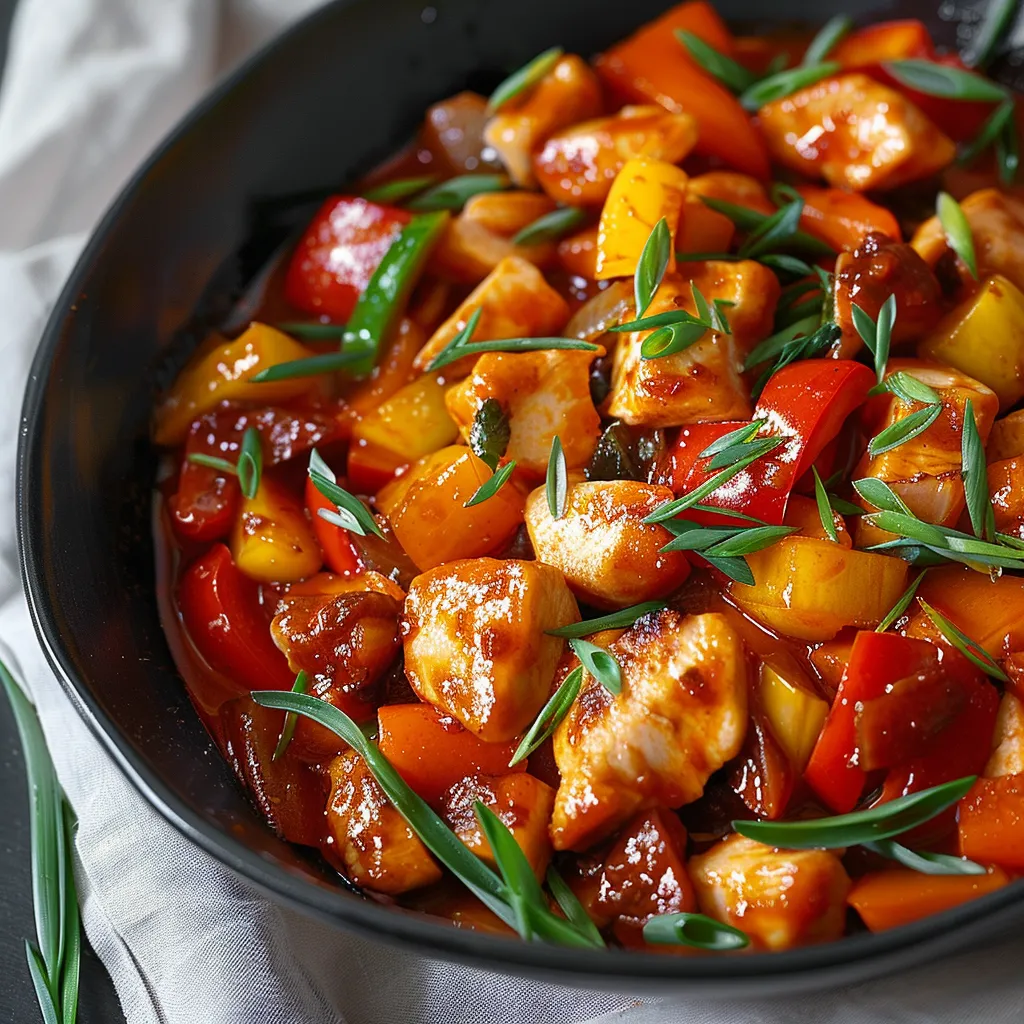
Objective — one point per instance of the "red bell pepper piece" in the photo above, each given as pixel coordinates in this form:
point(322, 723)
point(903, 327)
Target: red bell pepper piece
point(336, 257)
point(204, 506)
point(878, 664)
point(888, 40)
point(229, 625)
point(992, 822)
point(340, 554)
point(805, 402)
point(433, 752)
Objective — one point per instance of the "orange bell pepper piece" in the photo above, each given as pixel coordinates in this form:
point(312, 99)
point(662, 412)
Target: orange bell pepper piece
point(432, 752)
point(652, 66)
point(843, 219)
point(887, 899)
point(992, 822)
point(889, 40)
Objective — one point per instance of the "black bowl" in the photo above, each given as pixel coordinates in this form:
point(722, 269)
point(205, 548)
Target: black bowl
point(327, 100)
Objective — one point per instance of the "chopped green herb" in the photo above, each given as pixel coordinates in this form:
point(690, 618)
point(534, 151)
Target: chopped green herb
point(312, 366)
point(613, 620)
point(651, 267)
point(900, 607)
point(785, 83)
point(490, 432)
point(525, 78)
point(454, 193)
point(826, 39)
point(601, 664)
point(547, 721)
point(250, 463)
point(401, 188)
point(551, 226)
point(824, 507)
point(490, 487)
point(943, 80)
point(975, 476)
point(351, 514)
point(903, 430)
point(958, 230)
point(300, 685)
point(735, 77)
point(696, 930)
point(969, 648)
point(926, 862)
point(557, 482)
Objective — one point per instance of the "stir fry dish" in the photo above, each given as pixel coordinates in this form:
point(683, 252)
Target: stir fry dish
point(610, 529)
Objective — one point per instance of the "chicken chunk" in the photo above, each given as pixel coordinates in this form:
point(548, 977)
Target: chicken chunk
point(1008, 742)
point(610, 558)
point(475, 641)
point(1006, 492)
point(368, 841)
point(780, 898)
point(680, 716)
point(876, 269)
point(476, 241)
point(567, 94)
point(544, 394)
point(997, 227)
point(702, 383)
point(855, 133)
point(1006, 441)
point(453, 131)
point(925, 471)
point(643, 875)
point(514, 302)
point(522, 802)
point(577, 165)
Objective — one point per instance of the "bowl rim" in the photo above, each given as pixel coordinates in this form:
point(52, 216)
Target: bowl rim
point(850, 959)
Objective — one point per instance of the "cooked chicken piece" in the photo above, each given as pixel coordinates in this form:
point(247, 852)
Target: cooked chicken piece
point(925, 471)
point(1006, 440)
point(997, 227)
point(780, 898)
point(522, 802)
point(544, 394)
point(475, 642)
point(1008, 741)
point(732, 187)
point(1006, 491)
point(476, 241)
point(642, 876)
point(514, 302)
point(577, 165)
point(610, 558)
point(348, 638)
point(453, 131)
point(368, 841)
point(876, 269)
point(567, 94)
point(855, 133)
point(680, 716)
point(702, 383)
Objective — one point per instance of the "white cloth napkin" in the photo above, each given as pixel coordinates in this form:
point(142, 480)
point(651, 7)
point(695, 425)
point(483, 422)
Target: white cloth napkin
point(90, 87)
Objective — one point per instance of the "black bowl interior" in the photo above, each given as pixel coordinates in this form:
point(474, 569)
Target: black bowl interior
point(335, 95)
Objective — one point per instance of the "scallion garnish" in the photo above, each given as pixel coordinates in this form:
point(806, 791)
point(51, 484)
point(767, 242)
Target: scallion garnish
point(622, 619)
point(751, 220)
point(312, 366)
point(804, 339)
point(401, 188)
point(876, 335)
point(551, 226)
point(735, 77)
point(993, 30)
point(556, 484)
point(774, 231)
point(970, 649)
point(54, 959)
point(883, 821)
point(924, 861)
point(290, 719)
point(490, 432)
point(908, 389)
point(312, 330)
point(958, 230)
point(494, 892)
point(601, 664)
point(382, 301)
point(651, 266)
point(249, 467)
point(490, 487)
point(785, 83)
point(549, 717)
point(878, 493)
point(463, 345)
point(943, 80)
point(696, 930)
point(525, 78)
point(901, 606)
point(724, 547)
point(826, 39)
point(824, 507)
point(972, 460)
point(571, 906)
point(351, 514)
point(454, 193)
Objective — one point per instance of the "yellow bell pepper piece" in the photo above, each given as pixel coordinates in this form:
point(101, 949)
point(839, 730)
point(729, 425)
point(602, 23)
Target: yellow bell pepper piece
point(811, 588)
point(795, 713)
point(984, 337)
point(272, 540)
point(412, 423)
point(643, 192)
point(224, 374)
